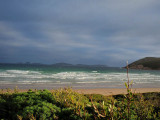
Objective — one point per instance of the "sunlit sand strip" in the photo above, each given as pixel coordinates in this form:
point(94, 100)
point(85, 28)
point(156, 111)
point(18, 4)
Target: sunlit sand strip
point(115, 91)
point(103, 91)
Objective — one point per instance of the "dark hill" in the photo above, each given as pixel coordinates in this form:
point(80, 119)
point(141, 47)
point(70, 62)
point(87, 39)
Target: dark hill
point(148, 63)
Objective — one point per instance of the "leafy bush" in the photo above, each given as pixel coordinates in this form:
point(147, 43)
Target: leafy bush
point(42, 110)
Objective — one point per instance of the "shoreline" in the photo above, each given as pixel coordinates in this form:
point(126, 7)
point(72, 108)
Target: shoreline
point(102, 91)
point(50, 86)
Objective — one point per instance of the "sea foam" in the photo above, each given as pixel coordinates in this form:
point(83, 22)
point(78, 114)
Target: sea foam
point(75, 77)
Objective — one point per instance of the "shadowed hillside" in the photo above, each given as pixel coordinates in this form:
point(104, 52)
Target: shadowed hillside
point(148, 63)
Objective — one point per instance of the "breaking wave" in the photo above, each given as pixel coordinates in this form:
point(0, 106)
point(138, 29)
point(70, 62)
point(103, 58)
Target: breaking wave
point(74, 77)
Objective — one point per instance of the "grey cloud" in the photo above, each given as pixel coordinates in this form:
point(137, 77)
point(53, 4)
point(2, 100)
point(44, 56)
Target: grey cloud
point(102, 32)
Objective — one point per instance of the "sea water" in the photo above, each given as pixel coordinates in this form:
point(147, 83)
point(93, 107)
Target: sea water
point(75, 76)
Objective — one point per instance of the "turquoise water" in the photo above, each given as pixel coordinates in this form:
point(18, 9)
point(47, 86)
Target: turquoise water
point(76, 76)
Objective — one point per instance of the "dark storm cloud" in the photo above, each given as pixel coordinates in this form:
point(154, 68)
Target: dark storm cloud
point(89, 32)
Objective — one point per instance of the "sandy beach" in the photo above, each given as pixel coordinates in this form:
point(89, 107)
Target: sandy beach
point(116, 91)
point(102, 91)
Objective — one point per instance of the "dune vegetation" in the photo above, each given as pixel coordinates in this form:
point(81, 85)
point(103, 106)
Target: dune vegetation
point(66, 104)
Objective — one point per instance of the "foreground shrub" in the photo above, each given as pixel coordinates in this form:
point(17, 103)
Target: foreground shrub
point(28, 103)
point(66, 104)
point(42, 110)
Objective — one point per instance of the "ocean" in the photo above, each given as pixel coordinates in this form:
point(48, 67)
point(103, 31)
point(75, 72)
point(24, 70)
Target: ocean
point(50, 77)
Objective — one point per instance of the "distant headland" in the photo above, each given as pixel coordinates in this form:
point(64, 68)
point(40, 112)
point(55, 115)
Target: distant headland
point(147, 63)
point(50, 65)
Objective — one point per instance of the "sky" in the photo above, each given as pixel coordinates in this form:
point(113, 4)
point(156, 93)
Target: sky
point(108, 32)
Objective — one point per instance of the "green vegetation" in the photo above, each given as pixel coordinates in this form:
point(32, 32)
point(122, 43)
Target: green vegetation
point(146, 63)
point(66, 104)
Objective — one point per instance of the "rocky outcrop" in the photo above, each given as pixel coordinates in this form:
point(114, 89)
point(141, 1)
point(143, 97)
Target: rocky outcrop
point(140, 67)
